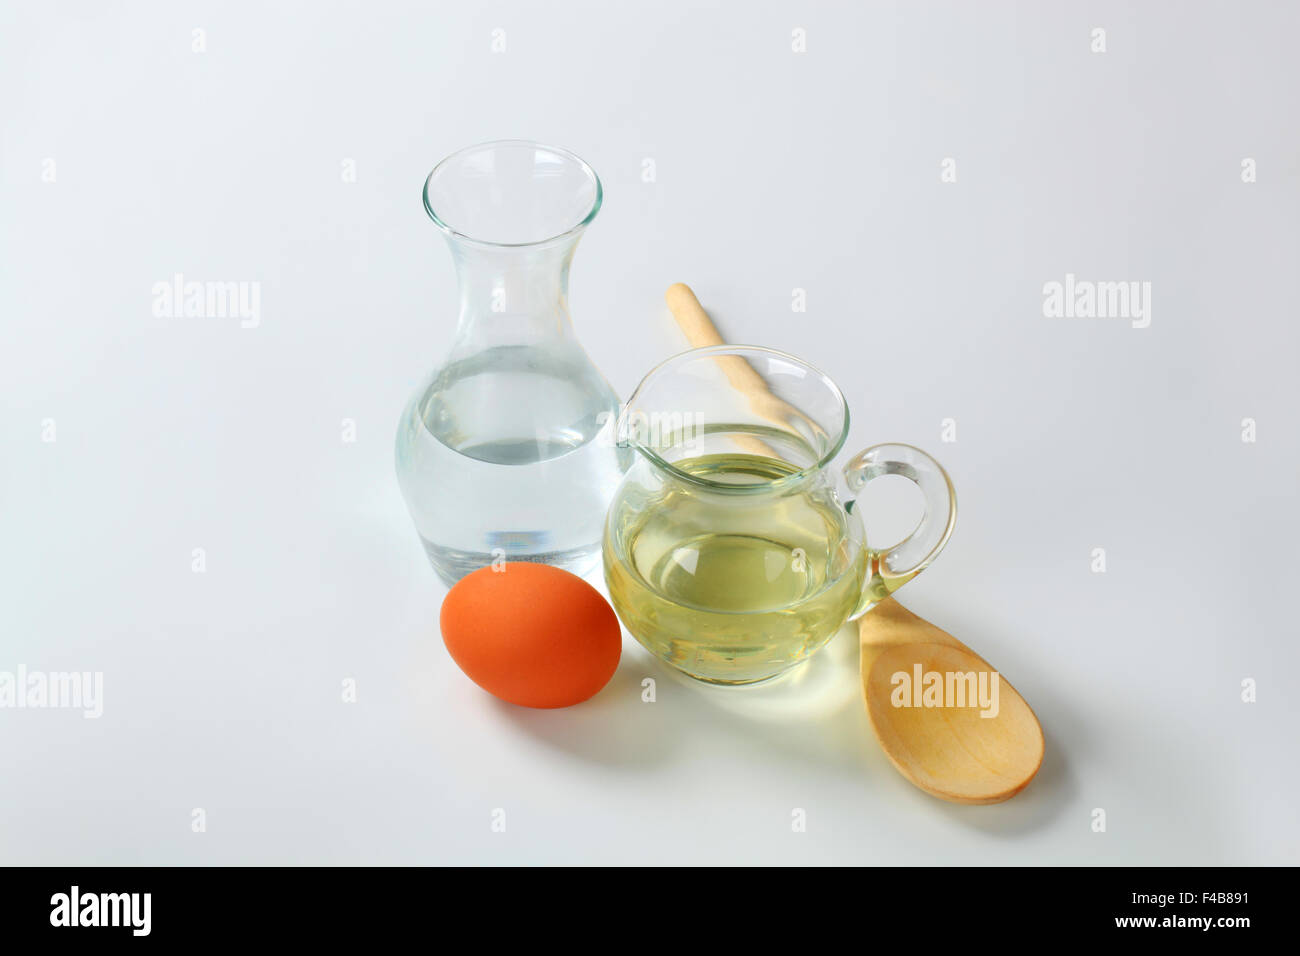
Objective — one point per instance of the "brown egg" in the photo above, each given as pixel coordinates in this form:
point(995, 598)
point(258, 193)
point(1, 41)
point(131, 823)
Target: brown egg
point(531, 634)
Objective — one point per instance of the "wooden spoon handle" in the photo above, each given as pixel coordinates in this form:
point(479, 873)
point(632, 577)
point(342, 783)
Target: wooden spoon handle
point(700, 332)
point(691, 317)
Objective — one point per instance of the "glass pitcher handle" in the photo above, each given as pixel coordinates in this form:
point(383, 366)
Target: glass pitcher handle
point(889, 570)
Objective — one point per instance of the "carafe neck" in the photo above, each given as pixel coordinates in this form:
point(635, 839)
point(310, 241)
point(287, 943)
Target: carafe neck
point(513, 295)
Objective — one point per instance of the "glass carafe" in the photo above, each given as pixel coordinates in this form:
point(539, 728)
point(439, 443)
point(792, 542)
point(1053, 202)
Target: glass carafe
point(508, 450)
point(733, 550)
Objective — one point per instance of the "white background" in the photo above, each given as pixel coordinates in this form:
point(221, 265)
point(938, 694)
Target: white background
point(774, 170)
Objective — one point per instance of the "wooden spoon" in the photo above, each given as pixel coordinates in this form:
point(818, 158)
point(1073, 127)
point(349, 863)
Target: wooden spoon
point(950, 752)
point(954, 753)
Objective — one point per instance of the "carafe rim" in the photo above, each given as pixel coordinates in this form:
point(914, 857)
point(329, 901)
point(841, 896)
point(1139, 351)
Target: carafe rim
point(566, 234)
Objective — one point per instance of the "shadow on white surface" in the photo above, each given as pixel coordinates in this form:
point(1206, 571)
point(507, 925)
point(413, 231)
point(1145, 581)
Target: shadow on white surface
point(813, 715)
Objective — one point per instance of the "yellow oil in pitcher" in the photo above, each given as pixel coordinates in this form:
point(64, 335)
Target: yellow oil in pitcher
point(733, 587)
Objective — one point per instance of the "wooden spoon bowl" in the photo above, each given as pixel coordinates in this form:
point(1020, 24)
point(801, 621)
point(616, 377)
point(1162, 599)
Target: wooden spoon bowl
point(950, 752)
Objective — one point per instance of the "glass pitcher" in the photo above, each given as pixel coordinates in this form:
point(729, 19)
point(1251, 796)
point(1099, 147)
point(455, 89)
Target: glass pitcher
point(732, 547)
point(508, 451)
